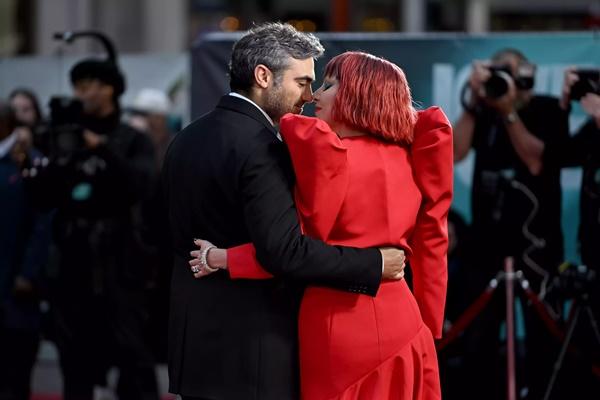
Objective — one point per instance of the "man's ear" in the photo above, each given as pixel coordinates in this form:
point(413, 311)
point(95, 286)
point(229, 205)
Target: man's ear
point(262, 76)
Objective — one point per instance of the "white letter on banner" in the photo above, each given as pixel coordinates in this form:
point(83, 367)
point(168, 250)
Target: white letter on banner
point(441, 86)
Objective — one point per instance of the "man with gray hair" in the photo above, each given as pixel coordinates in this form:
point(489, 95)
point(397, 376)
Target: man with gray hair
point(228, 179)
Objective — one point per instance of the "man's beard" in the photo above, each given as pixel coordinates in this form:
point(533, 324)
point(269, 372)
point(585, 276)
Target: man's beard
point(275, 106)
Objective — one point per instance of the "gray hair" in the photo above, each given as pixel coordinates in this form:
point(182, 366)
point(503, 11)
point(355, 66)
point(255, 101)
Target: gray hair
point(270, 44)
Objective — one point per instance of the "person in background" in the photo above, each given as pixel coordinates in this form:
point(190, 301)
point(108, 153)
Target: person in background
point(25, 233)
point(29, 116)
point(583, 150)
point(515, 204)
point(98, 290)
point(150, 113)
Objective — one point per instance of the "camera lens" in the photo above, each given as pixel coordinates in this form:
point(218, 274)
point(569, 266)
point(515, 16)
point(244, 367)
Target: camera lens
point(496, 86)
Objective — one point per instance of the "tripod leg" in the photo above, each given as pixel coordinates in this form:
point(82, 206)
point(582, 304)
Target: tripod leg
point(593, 322)
point(561, 354)
point(511, 385)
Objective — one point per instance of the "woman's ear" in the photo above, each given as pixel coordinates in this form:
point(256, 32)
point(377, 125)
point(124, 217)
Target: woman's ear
point(262, 76)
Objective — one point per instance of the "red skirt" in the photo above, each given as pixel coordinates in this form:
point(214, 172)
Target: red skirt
point(357, 347)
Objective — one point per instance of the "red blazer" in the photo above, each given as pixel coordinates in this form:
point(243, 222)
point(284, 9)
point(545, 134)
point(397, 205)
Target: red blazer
point(333, 209)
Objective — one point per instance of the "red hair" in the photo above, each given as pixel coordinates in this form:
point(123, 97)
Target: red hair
point(373, 95)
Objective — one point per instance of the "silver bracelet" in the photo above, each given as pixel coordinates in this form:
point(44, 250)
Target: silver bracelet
point(204, 261)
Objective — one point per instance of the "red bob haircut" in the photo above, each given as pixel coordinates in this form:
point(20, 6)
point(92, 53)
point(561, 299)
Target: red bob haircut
point(373, 95)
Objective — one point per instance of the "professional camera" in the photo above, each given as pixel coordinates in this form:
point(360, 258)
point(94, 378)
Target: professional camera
point(575, 280)
point(497, 85)
point(589, 82)
point(65, 129)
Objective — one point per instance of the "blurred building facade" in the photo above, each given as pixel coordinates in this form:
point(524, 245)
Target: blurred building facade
point(26, 26)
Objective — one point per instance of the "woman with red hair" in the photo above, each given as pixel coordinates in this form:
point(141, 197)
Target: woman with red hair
point(371, 171)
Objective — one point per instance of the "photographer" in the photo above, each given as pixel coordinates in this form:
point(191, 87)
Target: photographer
point(516, 194)
point(583, 150)
point(97, 187)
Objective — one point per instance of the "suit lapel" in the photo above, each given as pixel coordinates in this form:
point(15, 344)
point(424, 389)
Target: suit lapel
point(242, 106)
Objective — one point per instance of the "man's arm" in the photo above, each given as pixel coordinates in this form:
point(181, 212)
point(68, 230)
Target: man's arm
point(241, 261)
point(464, 128)
point(528, 147)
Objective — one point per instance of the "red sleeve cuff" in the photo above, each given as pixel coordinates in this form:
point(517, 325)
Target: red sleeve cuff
point(242, 263)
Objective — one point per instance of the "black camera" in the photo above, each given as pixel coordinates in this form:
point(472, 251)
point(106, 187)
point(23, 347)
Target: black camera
point(576, 280)
point(589, 82)
point(65, 129)
point(498, 83)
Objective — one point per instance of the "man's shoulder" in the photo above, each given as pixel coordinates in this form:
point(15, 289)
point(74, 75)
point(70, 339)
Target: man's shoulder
point(231, 126)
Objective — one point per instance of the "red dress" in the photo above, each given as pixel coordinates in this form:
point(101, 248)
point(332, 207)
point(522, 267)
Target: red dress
point(364, 192)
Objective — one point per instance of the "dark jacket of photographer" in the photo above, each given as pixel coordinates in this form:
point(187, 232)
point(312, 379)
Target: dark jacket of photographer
point(97, 195)
point(505, 193)
point(583, 150)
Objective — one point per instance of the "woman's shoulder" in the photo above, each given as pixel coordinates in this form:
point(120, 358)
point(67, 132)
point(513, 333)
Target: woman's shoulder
point(297, 121)
point(432, 117)
point(297, 129)
point(432, 128)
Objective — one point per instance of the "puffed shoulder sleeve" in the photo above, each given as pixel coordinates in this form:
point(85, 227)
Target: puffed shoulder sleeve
point(320, 164)
point(431, 156)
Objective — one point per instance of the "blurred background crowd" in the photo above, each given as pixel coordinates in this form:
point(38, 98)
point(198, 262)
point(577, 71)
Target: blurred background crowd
point(92, 92)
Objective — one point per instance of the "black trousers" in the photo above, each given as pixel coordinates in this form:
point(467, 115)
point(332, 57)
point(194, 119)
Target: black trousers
point(94, 335)
point(18, 351)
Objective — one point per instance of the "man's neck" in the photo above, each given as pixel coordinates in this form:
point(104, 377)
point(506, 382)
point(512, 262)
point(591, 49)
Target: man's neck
point(253, 100)
point(251, 96)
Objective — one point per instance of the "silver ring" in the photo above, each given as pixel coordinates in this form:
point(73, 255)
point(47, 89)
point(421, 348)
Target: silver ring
point(210, 269)
point(195, 269)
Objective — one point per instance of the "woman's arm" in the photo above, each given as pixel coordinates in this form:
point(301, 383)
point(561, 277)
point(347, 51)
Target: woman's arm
point(240, 261)
point(431, 155)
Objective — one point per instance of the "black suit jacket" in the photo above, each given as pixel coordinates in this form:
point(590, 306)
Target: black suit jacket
point(228, 179)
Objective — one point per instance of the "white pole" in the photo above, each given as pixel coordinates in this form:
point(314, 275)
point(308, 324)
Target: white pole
point(478, 16)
